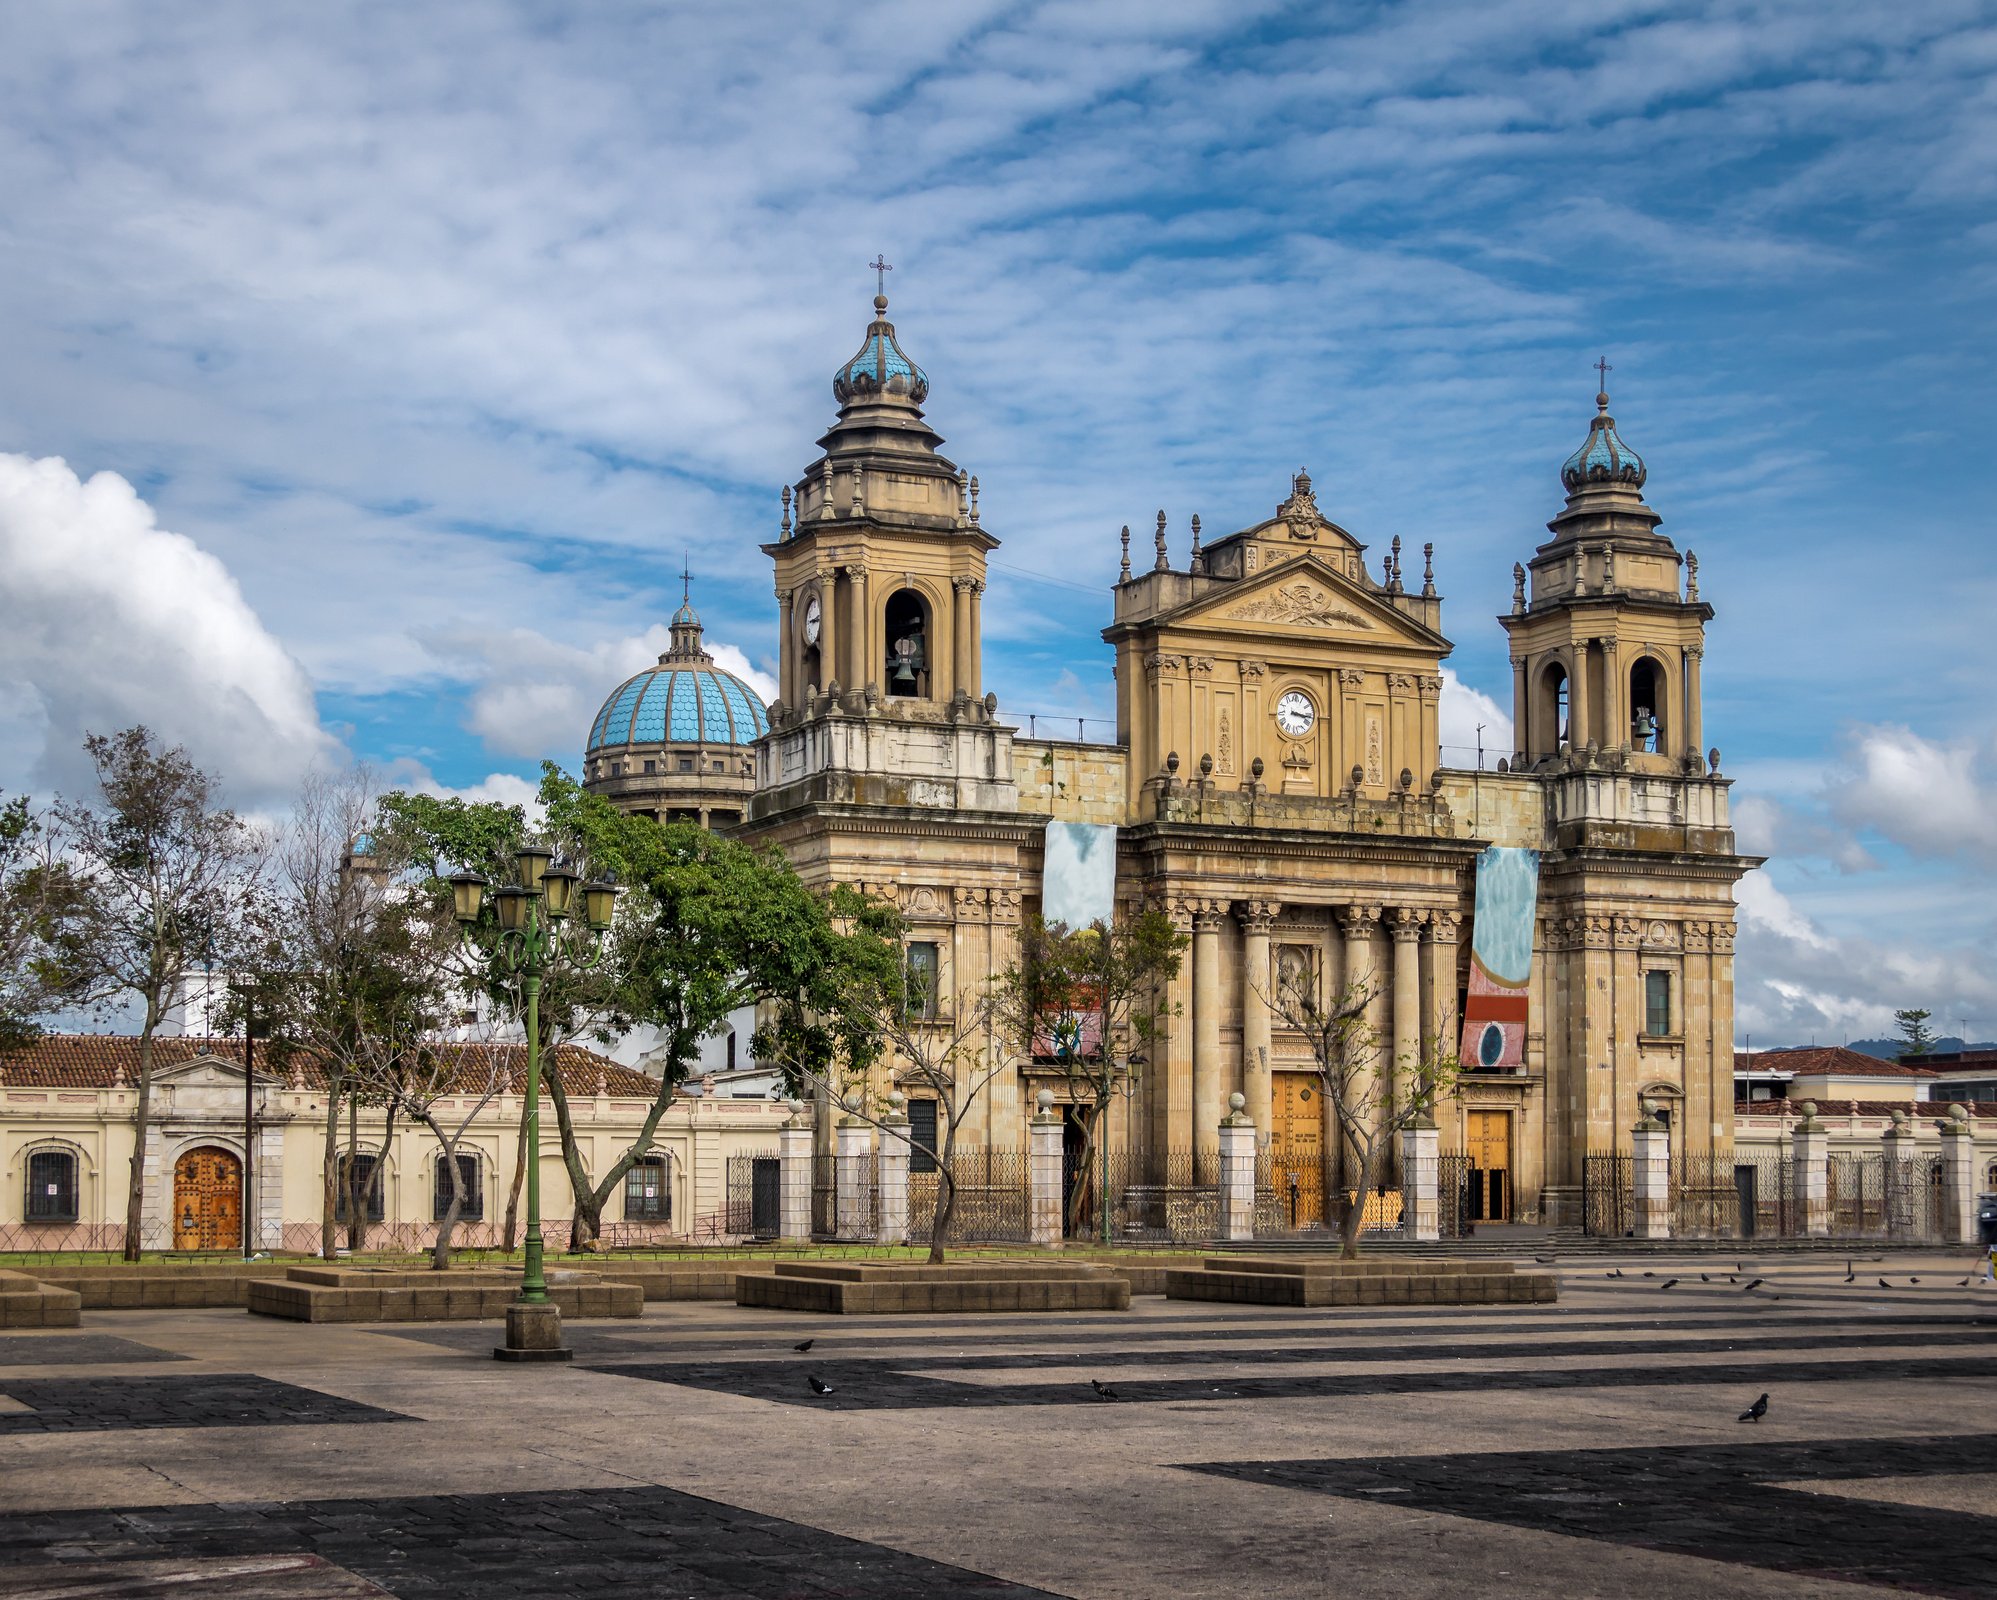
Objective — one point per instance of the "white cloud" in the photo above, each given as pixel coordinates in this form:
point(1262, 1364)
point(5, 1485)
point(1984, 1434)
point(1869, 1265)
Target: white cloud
point(107, 619)
point(1461, 710)
point(498, 788)
point(1930, 797)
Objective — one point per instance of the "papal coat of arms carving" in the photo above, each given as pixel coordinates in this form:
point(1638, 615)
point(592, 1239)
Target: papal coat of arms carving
point(1299, 603)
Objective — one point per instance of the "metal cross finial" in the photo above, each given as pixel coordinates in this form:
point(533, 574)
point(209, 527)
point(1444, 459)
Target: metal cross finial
point(881, 271)
point(1602, 366)
point(686, 579)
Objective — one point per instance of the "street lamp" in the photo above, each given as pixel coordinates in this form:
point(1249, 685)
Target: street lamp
point(531, 914)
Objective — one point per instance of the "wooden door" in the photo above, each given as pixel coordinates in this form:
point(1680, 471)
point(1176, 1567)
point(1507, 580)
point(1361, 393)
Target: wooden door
point(207, 1200)
point(1488, 1141)
point(1296, 1146)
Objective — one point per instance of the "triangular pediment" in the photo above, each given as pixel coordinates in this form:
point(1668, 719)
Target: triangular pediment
point(206, 1069)
point(1305, 598)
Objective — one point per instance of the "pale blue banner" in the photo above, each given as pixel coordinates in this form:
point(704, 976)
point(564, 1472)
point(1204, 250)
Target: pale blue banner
point(1078, 882)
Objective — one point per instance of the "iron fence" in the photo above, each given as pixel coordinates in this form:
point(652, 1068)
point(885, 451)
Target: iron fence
point(1705, 1198)
point(1452, 1195)
point(990, 1205)
point(1765, 1195)
point(1177, 1201)
point(1608, 1196)
point(1290, 1191)
point(755, 1189)
point(824, 1197)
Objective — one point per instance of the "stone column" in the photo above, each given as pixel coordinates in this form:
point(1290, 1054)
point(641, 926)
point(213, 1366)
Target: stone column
point(1237, 1172)
point(972, 683)
point(1810, 1175)
point(831, 625)
point(787, 652)
point(1043, 1173)
point(960, 635)
point(1257, 918)
point(1358, 923)
point(1651, 1160)
point(1694, 730)
point(891, 1175)
point(1172, 1086)
point(1577, 699)
point(1901, 1146)
point(1407, 1046)
point(860, 669)
point(852, 1145)
point(1421, 1176)
point(1959, 1179)
point(794, 1175)
point(1207, 1084)
point(1523, 733)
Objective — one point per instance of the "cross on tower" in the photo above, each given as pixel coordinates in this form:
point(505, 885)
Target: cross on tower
point(1602, 366)
point(881, 271)
point(686, 579)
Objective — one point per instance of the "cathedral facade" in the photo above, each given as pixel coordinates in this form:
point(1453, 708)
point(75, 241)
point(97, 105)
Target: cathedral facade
point(1277, 788)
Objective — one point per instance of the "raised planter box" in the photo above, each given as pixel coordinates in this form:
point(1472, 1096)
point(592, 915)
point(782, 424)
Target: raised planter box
point(1326, 1281)
point(27, 1302)
point(367, 1294)
point(862, 1288)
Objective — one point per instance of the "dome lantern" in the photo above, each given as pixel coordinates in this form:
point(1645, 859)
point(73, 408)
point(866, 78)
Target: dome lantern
point(1603, 458)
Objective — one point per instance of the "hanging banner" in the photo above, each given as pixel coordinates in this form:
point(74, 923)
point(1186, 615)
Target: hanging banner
point(1496, 1008)
point(1078, 879)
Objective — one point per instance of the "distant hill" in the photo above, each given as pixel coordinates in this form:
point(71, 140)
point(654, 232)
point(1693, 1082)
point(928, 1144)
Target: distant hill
point(1889, 1049)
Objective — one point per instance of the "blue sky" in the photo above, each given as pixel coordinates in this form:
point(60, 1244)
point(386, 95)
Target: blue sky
point(430, 339)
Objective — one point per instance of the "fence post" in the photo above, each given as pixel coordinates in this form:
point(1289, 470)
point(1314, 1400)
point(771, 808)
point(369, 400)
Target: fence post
point(1650, 1172)
point(851, 1140)
point(794, 1175)
point(1958, 1179)
point(1043, 1173)
point(1237, 1171)
point(891, 1175)
point(1899, 1143)
point(1421, 1195)
point(1810, 1172)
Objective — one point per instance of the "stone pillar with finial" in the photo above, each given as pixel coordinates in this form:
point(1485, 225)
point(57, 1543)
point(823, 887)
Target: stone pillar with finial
point(1650, 1148)
point(852, 1174)
point(1958, 1178)
point(794, 1175)
point(1163, 564)
point(1518, 589)
point(1199, 560)
point(1043, 1173)
point(786, 521)
point(1123, 573)
point(1394, 560)
point(891, 1174)
point(1810, 1175)
point(1421, 1180)
point(1237, 1171)
point(1900, 1143)
point(1428, 571)
point(1691, 578)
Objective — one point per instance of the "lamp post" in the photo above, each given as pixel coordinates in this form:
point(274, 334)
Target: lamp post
point(531, 914)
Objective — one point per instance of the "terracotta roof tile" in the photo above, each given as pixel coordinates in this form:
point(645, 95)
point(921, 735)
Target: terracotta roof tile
point(1831, 1059)
point(99, 1060)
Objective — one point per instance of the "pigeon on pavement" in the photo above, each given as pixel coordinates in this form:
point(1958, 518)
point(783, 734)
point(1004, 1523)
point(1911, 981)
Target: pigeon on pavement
point(1103, 1390)
point(1884, 1284)
point(1757, 1411)
point(1668, 1283)
point(818, 1385)
point(1758, 1282)
point(801, 1348)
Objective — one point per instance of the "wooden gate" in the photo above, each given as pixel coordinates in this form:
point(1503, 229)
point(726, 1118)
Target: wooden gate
point(207, 1200)
point(1488, 1142)
point(1296, 1147)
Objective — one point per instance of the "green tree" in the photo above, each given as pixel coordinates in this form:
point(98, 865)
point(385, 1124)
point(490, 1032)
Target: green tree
point(1917, 1038)
point(166, 874)
point(1092, 1001)
point(41, 966)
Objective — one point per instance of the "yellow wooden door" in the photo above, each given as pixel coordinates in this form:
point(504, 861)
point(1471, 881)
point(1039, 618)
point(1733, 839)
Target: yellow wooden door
point(1296, 1146)
point(207, 1200)
point(1488, 1142)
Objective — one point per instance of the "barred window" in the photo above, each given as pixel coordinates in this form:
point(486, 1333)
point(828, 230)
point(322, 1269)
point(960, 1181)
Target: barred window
point(923, 976)
point(1657, 1003)
point(52, 1187)
point(922, 1135)
point(366, 1170)
point(471, 1176)
point(648, 1196)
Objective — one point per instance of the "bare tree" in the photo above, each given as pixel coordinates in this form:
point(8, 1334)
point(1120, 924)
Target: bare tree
point(1091, 1001)
point(1370, 1106)
point(167, 872)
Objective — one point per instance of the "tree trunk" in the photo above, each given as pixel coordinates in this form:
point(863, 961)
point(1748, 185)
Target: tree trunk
point(354, 1190)
point(135, 1194)
point(946, 1188)
point(1355, 1214)
point(510, 1234)
point(586, 1222)
point(440, 1252)
point(329, 1225)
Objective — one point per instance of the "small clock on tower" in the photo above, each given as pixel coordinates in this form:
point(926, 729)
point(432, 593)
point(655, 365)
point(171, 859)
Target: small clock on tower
point(812, 620)
point(1295, 714)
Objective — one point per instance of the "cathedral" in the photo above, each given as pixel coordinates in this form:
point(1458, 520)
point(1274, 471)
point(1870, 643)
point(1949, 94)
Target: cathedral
point(1275, 786)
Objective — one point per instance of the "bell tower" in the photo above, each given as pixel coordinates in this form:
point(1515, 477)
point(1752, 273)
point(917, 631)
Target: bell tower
point(1607, 627)
point(880, 571)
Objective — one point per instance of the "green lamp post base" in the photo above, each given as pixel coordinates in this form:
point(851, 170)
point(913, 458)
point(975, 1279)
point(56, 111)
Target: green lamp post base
point(533, 1333)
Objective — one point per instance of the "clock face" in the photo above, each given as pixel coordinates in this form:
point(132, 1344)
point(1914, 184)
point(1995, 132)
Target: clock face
point(1295, 714)
point(811, 620)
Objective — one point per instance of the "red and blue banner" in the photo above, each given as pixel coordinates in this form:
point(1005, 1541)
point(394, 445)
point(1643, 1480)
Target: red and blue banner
point(1497, 1007)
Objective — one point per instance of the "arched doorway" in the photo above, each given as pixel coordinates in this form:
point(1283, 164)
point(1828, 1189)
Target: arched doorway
point(207, 1200)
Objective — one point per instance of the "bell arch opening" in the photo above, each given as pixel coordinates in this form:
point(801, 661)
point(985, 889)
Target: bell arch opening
point(1647, 703)
point(1550, 730)
point(908, 645)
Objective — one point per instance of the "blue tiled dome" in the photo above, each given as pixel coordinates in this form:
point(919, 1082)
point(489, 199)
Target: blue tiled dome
point(685, 699)
point(676, 703)
point(880, 368)
point(1603, 457)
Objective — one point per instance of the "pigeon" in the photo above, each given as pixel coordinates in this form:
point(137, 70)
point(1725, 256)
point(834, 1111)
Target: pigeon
point(1668, 1283)
point(1913, 1280)
point(1617, 1273)
point(1758, 1282)
point(1650, 1274)
point(801, 1348)
point(1884, 1284)
point(1705, 1277)
point(1851, 1278)
point(1757, 1411)
point(1103, 1390)
point(1964, 1284)
point(1546, 1261)
point(818, 1385)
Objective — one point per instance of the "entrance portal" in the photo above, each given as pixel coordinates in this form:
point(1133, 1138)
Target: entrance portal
point(207, 1200)
point(1488, 1142)
point(1296, 1146)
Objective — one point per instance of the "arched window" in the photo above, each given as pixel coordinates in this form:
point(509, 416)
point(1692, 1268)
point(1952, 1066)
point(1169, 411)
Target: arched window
point(53, 1188)
point(365, 1171)
point(908, 637)
point(471, 1174)
point(648, 1190)
point(1549, 713)
point(1648, 711)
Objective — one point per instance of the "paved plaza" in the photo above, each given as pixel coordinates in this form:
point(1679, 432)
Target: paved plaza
point(1586, 1448)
